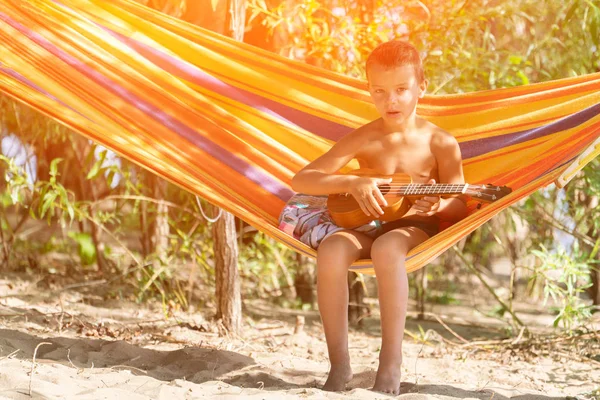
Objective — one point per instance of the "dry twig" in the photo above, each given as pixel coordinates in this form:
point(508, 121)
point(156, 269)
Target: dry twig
point(33, 364)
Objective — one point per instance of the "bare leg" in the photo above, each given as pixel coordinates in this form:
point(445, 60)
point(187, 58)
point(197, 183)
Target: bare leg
point(334, 256)
point(388, 253)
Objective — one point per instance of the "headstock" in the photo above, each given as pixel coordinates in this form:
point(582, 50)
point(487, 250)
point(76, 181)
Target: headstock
point(487, 193)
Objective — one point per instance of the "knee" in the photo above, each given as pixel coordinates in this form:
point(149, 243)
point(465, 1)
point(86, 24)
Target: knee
point(388, 251)
point(337, 249)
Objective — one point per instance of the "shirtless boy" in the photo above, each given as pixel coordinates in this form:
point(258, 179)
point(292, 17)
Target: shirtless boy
point(399, 141)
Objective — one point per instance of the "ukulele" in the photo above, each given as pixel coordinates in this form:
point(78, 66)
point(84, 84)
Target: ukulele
point(346, 212)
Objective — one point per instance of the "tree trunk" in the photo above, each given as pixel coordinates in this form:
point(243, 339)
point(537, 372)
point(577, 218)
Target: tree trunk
point(227, 281)
point(83, 147)
point(357, 309)
point(421, 280)
point(594, 290)
point(160, 227)
point(155, 231)
point(209, 14)
point(229, 302)
point(304, 282)
point(145, 239)
point(236, 19)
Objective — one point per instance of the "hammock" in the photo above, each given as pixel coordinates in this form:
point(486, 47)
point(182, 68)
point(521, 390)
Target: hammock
point(233, 123)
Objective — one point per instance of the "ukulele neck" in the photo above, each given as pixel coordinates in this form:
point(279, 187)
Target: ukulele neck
point(420, 189)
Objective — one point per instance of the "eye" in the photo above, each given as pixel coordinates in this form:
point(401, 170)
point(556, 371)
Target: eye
point(378, 91)
point(400, 90)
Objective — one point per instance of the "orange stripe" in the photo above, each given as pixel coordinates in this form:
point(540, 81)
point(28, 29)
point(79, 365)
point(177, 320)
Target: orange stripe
point(451, 111)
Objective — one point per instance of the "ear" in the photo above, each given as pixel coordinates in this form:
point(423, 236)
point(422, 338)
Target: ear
point(423, 88)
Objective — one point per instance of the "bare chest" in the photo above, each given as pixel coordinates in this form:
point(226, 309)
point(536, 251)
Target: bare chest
point(412, 157)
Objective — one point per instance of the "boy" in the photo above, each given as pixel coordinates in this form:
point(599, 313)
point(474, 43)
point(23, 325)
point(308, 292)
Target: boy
point(399, 141)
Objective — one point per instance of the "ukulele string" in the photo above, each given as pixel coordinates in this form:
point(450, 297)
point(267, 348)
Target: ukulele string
point(443, 188)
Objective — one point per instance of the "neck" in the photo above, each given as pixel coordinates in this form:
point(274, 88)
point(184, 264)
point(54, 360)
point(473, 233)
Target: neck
point(418, 189)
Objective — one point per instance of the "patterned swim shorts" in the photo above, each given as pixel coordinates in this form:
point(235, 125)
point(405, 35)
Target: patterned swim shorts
point(306, 218)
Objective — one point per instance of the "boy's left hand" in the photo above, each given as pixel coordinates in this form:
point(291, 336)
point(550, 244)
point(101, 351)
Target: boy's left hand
point(427, 205)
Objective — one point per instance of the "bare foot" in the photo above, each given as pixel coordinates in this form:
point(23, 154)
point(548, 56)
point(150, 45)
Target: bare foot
point(388, 378)
point(337, 379)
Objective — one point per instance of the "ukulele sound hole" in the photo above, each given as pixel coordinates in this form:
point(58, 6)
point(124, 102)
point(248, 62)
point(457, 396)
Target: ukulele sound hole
point(384, 189)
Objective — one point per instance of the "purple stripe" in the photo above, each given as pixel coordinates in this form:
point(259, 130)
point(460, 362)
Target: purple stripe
point(478, 147)
point(183, 69)
point(318, 125)
point(216, 151)
point(27, 82)
point(328, 129)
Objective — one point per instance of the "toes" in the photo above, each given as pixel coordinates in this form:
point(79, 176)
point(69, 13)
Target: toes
point(387, 391)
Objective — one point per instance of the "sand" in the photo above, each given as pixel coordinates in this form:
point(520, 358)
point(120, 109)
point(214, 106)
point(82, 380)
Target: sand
point(119, 350)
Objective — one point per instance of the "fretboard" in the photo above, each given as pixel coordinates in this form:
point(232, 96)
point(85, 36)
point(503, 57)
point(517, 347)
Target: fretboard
point(423, 189)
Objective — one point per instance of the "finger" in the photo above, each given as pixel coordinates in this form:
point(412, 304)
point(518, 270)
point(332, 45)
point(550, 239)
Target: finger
point(364, 208)
point(380, 199)
point(374, 206)
point(431, 182)
point(424, 211)
point(377, 210)
point(431, 199)
point(367, 203)
point(372, 211)
point(427, 214)
point(421, 209)
point(423, 204)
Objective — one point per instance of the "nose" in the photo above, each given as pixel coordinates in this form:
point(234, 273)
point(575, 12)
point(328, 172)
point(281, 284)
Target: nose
point(393, 98)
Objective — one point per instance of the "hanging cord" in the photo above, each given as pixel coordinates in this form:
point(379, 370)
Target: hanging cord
point(211, 220)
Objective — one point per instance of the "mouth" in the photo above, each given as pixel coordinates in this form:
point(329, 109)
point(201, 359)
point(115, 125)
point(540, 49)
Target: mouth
point(393, 114)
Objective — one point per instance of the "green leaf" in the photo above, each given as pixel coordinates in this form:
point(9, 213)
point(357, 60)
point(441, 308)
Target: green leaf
point(110, 177)
point(571, 12)
point(86, 248)
point(94, 171)
point(594, 31)
point(515, 60)
point(70, 211)
point(524, 78)
point(48, 201)
point(54, 166)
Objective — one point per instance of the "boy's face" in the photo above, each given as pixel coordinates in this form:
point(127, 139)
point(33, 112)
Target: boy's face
point(395, 91)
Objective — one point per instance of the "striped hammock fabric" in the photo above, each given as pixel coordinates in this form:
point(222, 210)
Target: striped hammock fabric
point(233, 123)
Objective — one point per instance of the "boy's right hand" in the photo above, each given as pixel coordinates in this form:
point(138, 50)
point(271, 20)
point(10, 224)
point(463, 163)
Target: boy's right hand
point(366, 192)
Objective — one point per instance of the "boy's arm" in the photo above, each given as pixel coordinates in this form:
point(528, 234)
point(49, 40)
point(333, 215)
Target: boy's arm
point(449, 159)
point(319, 177)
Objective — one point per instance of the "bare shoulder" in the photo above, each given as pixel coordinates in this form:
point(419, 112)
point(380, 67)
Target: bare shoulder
point(443, 142)
point(447, 153)
point(362, 133)
point(342, 152)
point(357, 140)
